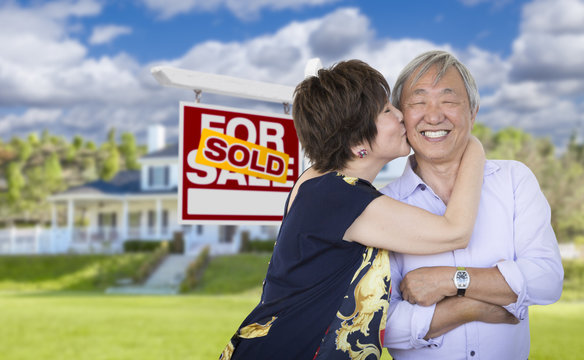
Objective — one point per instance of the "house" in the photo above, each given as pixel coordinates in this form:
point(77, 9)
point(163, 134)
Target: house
point(101, 215)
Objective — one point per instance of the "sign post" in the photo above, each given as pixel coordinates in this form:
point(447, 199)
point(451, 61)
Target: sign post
point(236, 166)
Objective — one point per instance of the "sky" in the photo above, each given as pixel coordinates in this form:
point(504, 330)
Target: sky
point(82, 67)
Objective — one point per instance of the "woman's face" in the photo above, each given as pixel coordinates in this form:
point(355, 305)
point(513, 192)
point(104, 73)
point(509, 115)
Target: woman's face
point(391, 140)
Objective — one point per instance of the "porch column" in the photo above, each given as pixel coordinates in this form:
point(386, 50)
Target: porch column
point(53, 233)
point(158, 218)
point(125, 220)
point(70, 217)
point(53, 216)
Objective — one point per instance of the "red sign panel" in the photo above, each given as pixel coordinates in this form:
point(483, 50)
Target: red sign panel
point(215, 181)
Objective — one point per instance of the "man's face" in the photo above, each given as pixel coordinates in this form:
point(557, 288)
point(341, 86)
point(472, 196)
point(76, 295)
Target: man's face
point(437, 116)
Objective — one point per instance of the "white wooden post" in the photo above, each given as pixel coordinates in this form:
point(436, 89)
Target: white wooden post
point(125, 220)
point(12, 235)
point(70, 220)
point(37, 239)
point(158, 220)
point(53, 215)
point(53, 233)
point(221, 84)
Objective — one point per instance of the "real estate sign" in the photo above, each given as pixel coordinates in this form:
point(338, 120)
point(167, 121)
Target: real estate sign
point(236, 166)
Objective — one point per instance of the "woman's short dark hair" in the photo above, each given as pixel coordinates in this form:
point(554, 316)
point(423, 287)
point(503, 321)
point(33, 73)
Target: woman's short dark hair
point(337, 110)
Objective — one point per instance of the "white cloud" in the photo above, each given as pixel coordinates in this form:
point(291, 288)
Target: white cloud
point(248, 9)
point(104, 34)
point(32, 118)
point(551, 43)
point(539, 87)
point(554, 17)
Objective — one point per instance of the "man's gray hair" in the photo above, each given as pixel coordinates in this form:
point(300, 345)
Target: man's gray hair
point(424, 62)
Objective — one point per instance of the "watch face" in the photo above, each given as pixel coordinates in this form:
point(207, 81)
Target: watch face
point(461, 279)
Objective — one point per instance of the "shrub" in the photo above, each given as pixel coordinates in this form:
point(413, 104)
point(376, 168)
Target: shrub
point(245, 242)
point(261, 246)
point(573, 280)
point(152, 263)
point(195, 271)
point(141, 245)
point(177, 245)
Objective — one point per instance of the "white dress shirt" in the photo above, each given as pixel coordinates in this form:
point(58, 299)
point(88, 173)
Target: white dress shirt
point(512, 232)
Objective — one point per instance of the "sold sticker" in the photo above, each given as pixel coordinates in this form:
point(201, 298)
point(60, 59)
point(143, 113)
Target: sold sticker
point(233, 154)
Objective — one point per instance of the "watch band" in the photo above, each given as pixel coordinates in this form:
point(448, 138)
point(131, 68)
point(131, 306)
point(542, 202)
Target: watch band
point(460, 292)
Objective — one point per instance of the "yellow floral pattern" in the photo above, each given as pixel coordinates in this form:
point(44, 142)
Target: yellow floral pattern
point(250, 331)
point(370, 296)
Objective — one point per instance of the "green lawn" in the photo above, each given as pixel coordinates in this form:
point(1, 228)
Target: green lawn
point(63, 324)
point(94, 326)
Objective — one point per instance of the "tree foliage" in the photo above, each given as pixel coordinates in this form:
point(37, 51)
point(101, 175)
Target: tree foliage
point(560, 175)
point(33, 168)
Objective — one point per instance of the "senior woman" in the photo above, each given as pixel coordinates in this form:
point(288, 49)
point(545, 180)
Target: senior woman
point(326, 291)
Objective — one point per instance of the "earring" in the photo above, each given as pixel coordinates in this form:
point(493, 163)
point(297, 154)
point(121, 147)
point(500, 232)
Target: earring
point(362, 153)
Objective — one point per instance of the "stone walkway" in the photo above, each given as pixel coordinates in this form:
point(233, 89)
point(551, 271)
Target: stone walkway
point(165, 280)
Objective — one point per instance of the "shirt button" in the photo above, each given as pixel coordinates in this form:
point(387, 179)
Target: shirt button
point(423, 187)
point(472, 353)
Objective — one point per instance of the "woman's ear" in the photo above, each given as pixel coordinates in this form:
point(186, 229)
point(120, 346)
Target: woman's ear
point(359, 151)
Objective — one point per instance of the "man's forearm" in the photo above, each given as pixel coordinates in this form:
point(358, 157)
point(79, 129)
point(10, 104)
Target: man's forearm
point(489, 285)
point(449, 313)
point(452, 312)
point(428, 285)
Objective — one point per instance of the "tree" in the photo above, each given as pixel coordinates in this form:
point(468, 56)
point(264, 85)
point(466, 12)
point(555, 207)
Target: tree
point(22, 148)
point(111, 163)
point(77, 142)
point(15, 182)
point(129, 151)
point(53, 174)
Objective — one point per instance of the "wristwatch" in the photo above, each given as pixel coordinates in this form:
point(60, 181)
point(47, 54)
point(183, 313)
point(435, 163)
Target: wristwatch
point(461, 280)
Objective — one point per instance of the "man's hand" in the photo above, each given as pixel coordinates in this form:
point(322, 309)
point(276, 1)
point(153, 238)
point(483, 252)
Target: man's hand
point(428, 285)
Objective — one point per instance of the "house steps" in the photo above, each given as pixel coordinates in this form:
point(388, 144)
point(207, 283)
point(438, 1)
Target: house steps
point(165, 280)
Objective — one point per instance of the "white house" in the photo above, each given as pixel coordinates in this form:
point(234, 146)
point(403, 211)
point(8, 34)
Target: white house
point(101, 215)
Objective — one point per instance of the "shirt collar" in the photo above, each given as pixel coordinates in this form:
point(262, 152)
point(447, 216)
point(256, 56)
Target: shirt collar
point(409, 181)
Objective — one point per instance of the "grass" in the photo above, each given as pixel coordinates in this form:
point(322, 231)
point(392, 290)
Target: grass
point(89, 325)
point(234, 274)
point(67, 272)
point(79, 327)
point(98, 327)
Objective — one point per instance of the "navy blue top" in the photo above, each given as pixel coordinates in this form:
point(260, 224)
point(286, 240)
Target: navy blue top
point(319, 299)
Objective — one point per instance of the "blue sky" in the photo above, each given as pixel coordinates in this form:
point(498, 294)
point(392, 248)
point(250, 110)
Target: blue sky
point(83, 66)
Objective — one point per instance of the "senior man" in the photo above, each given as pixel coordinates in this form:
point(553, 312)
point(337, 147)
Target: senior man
point(470, 303)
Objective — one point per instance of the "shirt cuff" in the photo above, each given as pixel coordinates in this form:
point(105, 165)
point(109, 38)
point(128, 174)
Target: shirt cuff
point(421, 320)
point(510, 271)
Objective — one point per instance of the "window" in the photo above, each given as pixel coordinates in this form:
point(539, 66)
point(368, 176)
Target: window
point(106, 219)
point(163, 219)
point(158, 176)
point(226, 233)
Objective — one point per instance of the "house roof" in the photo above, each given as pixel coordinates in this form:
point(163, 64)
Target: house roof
point(168, 151)
point(124, 182)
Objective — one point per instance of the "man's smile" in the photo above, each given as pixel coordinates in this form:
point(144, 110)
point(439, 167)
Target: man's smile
point(434, 134)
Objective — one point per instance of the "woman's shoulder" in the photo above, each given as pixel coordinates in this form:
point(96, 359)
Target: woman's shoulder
point(331, 181)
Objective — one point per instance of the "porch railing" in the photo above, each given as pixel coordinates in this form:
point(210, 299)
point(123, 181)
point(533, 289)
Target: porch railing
point(39, 240)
